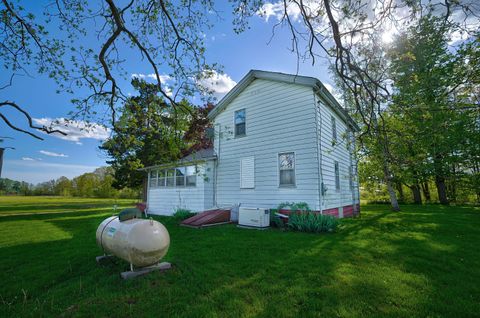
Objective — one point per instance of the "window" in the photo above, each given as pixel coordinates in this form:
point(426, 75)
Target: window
point(170, 178)
point(334, 129)
point(180, 177)
point(286, 163)
point(240, 123)
point(153, 178)
point(247, 173)
point(191, 177)
point(161, 178)
point(337, 176)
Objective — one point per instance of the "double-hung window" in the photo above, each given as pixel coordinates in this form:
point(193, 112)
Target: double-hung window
point(153, 178)
point(161, 178)
point(180, 177)
point(240, 123)
point(286, 164)
point(170, 178)
point(191, 176)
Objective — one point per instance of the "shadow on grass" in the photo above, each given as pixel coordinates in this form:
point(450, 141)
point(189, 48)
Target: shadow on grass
point(420, 262)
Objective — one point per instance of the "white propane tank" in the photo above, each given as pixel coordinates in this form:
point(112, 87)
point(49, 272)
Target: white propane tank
point(138, 241)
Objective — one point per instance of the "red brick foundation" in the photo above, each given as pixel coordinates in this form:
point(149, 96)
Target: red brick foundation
point(348, 211)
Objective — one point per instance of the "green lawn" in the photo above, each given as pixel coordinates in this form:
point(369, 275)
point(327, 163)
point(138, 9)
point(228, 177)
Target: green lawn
point(423, 261)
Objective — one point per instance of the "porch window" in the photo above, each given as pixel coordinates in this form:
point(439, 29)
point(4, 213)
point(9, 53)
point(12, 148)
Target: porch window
point(161, 178)
point(191, 176)
point(240, 120)
point(286, 163)
point(180, 177)
point(170, 179)
point(153, 178)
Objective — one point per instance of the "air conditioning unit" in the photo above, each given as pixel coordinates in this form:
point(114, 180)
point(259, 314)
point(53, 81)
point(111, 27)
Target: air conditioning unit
point(254, 217)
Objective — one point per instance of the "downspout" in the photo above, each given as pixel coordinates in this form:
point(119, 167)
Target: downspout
point(215, 173)
point(147, 190)
point(319, 149)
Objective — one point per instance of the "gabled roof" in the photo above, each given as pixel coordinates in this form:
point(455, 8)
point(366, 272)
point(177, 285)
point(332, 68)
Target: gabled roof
point(284, 78)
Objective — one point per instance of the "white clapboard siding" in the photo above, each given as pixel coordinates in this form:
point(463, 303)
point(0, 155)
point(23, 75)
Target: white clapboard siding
point(165, 200)
point(247, 173)
point(331, 152)
point(280, 117)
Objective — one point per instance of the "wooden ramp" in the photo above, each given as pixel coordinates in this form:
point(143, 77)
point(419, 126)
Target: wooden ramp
point(208, 218)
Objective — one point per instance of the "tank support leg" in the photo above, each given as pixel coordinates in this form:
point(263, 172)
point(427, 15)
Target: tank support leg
point(145, 270)
point(99, 259)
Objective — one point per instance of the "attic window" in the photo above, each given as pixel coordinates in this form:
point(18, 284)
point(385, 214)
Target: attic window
point(240, 120)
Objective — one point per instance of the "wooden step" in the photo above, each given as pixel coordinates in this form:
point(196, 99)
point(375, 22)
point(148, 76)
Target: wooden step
point(207, 218)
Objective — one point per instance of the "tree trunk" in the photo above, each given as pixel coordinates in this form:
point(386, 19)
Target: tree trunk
point(426, 191)
point(441, 189)
point(401, 195)
point(417, 197)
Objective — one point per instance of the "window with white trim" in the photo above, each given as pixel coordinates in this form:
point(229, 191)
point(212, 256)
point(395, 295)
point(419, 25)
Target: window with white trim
point(180, 177)
point(191, 176)
point(286, 166)
point(161, 178)
point(240, 123)
point(153, 178)
point(170, 177)
point(337, 176)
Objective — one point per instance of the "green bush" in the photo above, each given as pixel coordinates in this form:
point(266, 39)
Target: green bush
point(312, 222)
point(183, 214)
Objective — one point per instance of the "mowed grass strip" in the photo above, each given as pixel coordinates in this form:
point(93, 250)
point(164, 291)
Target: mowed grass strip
point(423, 261)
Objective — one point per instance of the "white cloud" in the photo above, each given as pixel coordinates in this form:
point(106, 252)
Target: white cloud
point(53, 154)
point(218, 84)
point(75, 129)
point(163, 77)
point(277, 10)
point(27, 159)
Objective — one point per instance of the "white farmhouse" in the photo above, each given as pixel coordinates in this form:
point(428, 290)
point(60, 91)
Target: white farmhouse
point(278, 138)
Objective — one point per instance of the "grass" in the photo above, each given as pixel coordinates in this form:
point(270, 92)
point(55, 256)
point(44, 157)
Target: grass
point(423, 261)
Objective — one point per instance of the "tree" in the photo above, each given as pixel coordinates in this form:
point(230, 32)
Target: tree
point(165, 36)
point(150, 131)
point(431, 118)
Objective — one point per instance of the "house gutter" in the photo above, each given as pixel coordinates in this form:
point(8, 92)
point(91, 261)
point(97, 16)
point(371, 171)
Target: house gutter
point(316, 105)
point(177, 164)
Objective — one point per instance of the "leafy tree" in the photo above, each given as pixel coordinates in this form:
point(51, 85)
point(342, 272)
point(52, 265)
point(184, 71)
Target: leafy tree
point(151, 131)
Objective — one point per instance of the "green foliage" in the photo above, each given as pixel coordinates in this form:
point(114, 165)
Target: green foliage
point(300, 206)
point(151, 131)
point(97, 184)
point(313, 222)
point(182, 214)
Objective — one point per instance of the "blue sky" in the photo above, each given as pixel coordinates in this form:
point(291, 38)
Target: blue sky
point(36, 161)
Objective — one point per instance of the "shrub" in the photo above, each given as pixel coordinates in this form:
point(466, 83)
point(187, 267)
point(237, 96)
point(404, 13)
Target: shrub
point(182, 214)
point(312, 222)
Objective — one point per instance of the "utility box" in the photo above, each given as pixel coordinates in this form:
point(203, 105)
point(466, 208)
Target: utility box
point(254, 217)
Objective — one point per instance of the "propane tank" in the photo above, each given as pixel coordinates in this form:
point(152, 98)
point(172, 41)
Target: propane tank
point(138, 241)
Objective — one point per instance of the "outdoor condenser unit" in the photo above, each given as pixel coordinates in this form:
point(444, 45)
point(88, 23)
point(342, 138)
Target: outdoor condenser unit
point(254, 217)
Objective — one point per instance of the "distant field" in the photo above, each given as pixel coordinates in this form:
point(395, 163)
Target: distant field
point(11, 205)
point(421, 262)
